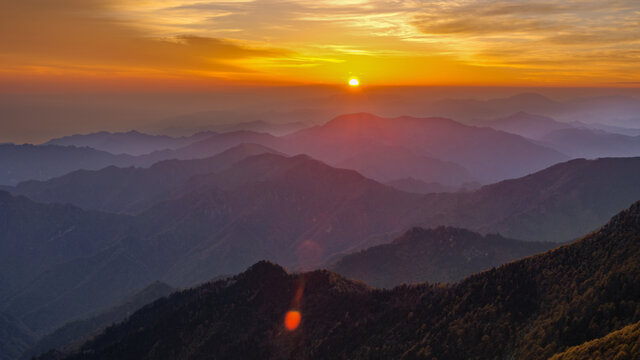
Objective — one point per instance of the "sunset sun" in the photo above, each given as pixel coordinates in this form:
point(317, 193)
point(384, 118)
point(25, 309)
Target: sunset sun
point(354, 82)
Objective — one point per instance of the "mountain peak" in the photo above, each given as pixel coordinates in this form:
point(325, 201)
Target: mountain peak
point(628, 219)
point(264, 269)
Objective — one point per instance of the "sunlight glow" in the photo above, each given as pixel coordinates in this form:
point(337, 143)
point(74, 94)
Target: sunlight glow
point(354, 82)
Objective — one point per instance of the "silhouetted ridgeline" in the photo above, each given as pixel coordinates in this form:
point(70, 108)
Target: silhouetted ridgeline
point(443, 254)
point(75, 333)
point(529, 309)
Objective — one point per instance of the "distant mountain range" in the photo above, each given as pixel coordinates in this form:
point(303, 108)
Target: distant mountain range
point(131, 189)
point(487, 154)
point(616, 111)
point(575, 139)
point(531, 309)
point(443, 254)
point(430, 150)
point(132, 142)
point(528, 125)
point(30, 162)
point(556, 204)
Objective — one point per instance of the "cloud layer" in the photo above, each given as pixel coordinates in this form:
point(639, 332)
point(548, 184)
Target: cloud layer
point(575, 42)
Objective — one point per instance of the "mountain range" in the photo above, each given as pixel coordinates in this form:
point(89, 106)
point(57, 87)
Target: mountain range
point(577, 140)
point(132, 142)
point(130, 189)
point(385, 201)
point(443, 254)
point(531, 309)
point(61, 262)
point(76, 332)
point(487, 154)
point(429, 149)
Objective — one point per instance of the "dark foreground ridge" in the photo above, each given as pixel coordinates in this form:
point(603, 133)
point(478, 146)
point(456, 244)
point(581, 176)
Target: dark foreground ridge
point(529, 309)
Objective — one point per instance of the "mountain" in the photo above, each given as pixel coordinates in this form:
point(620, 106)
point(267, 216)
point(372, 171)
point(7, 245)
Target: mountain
point(76, 332)
point(476, 111)
point(528, 125)
point(592, 143)
point(276, 129)
point(612, 110)
point(575, 139)
point(132, 142)
point(557, 204)
point(620, 344)
point(612, 129)
point(616, 110)
point(488, 155)
point(42, 162)
point(392, 163)
point(59, 262)
point(131, 189)
point(529, 309)
point(24, 162)
point(15, 337)
point(443, 254)
point(431, 149)
point(297, 211)
point(213, 145)
point(420, 187)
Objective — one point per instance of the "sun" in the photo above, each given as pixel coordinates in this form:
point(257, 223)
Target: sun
point(354, 82)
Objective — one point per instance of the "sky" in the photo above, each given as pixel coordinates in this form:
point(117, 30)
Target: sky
point(126, 45)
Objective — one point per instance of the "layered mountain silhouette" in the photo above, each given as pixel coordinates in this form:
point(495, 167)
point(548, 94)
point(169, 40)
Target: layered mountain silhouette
point(130, 189)
point(528, 309)
point(443, 254)
point(60, 262)
point(132, 142)
point(555, 204)
point(575, 140)
point(430, 149)
point(393, 163)
point(77, 332)
point(26, 162)
point(589, 143)
point(528, 125)
point(489, 155)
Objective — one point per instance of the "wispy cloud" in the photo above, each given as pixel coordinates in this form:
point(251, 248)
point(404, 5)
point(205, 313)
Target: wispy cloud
point(511, 40)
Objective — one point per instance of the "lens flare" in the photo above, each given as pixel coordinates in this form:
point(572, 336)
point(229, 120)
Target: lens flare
point(292, 320)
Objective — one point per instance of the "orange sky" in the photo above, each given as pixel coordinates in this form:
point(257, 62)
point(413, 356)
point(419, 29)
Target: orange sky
point(197, 44)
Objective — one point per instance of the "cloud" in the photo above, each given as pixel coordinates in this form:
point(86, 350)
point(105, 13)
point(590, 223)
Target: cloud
point(589, 36)
point(324, 40)
point(85, 35)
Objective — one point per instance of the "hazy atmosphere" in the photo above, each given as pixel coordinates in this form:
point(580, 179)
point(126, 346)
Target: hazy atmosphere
point(258, 179)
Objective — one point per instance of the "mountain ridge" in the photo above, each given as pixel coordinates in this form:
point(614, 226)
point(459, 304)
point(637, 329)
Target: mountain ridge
point(529, 309)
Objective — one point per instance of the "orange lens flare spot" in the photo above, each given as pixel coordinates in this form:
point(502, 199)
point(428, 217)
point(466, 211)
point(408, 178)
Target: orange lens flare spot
point(292, 320)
